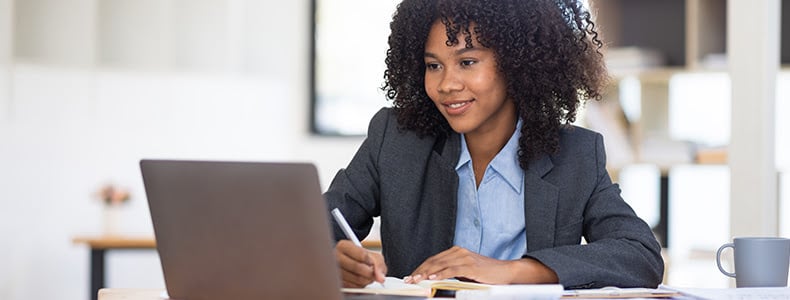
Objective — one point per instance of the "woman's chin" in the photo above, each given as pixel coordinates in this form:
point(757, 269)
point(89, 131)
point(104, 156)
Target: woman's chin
point(460, 128)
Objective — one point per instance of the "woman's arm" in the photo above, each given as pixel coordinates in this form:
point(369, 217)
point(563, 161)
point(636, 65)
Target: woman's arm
point(462, 263)
point(355, 189)
point(621, 251)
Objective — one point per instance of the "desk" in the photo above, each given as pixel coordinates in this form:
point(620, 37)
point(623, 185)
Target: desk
point(154, 294)
point(101, 244)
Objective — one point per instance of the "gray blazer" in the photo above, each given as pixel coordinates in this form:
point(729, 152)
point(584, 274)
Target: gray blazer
point(412, 184)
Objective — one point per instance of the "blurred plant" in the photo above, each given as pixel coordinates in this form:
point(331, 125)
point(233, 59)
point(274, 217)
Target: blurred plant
point(113, 195)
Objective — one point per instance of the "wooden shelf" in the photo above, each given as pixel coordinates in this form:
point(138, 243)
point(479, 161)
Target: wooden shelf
point(116, 241)
point(711, 156)
point(691, 34)
point(143, 242)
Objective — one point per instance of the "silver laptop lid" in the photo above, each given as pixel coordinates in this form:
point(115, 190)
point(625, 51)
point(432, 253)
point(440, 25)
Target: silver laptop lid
point(241, 230)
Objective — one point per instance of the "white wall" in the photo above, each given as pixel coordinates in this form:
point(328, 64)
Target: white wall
point(63, 32)
point(75, 125)
point(6, 23)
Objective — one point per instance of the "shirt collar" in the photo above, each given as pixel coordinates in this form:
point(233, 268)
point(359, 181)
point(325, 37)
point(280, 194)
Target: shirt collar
point(465, 156)
point(505, 162)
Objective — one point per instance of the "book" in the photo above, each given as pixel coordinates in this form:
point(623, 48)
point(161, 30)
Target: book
point(425, 288)
point(456, 288)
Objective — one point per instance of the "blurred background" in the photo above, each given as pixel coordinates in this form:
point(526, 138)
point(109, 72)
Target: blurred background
point(89, 87)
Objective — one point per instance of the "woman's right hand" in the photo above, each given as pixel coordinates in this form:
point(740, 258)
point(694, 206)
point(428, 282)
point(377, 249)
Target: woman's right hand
point(358, 266)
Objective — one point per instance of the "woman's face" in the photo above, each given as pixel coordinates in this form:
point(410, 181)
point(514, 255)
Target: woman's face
point(465, 85)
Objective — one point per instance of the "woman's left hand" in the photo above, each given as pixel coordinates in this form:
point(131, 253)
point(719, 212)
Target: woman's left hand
point(462, 263)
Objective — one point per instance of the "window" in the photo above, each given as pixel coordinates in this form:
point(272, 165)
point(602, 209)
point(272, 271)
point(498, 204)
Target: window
point(349, 47)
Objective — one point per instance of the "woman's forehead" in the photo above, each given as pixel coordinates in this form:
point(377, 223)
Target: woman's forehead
point(457, 32)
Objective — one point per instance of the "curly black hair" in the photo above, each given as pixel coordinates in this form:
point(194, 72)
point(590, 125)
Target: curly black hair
point(547, 50)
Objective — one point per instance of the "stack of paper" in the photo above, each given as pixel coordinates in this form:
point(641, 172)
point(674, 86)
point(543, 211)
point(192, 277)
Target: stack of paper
point(514, 292)
point(619, 293)
point(771, 293)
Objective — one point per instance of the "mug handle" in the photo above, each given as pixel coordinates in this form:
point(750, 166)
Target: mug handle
point(718, 258)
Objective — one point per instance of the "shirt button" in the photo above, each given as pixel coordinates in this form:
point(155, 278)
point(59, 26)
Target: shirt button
point(477, 223)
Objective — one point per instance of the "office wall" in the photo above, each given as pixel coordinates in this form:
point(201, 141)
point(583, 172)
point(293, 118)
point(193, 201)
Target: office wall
point(63, 33)
point(6, 23)
point(80, 120)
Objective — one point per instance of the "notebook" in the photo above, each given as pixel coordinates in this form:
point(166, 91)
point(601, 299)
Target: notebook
point(426, 288)
point(453, 288)
point(241, 230)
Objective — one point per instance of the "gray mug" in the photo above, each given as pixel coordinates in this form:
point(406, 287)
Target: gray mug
point(759, 261)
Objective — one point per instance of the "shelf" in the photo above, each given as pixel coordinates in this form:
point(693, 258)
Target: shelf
point(660, 74)
point(706, 33)
point(646, 24)
point(689, 34)
point(717, 156)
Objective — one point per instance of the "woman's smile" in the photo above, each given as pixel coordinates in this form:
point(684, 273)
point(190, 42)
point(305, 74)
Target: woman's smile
point(455, 108)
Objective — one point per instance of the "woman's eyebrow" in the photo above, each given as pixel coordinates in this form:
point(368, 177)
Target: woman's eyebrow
point(466, 50)
point(458, 52)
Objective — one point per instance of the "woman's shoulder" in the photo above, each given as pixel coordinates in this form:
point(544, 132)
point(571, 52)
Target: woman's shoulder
point(394, 144)
point(578, 143)
point(385, 124)
point(572, 134)
point(384, 120)
point(384, 116)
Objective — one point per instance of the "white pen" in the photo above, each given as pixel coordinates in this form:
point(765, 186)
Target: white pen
point(345, 227)
point(347, 230)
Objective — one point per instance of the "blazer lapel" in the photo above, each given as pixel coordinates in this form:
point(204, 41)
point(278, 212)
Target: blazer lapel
point(442, 190)
point(540, 205)
point(451, 150)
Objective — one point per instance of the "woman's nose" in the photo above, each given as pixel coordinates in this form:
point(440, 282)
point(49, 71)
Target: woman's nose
point(450, 82)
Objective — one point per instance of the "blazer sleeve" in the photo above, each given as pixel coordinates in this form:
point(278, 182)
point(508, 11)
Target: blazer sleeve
point(621, 250)
point(355, 189)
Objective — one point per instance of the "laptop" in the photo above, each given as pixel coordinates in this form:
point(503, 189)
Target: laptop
point(241, 230)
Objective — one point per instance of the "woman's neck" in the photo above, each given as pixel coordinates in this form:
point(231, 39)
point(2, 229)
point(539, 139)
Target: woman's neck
point(484, 146)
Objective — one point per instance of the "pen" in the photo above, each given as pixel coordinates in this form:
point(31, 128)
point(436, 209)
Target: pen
point(345, 227)
point(347, 230)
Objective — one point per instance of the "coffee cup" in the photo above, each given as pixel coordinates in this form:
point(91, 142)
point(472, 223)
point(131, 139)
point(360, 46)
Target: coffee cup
point(759, 261)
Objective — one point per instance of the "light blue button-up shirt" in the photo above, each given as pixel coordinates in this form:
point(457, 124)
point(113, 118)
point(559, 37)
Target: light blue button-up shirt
point(490, 218)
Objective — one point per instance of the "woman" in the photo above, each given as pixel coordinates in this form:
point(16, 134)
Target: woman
point(475, 171)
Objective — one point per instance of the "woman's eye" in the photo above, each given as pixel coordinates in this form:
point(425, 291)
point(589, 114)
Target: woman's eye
point(467, 62)
point(431, 66)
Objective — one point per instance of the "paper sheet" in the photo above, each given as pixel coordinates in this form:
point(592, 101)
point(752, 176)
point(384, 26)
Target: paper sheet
point(781, 293)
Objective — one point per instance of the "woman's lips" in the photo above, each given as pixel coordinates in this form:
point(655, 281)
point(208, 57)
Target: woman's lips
point(457, 107)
